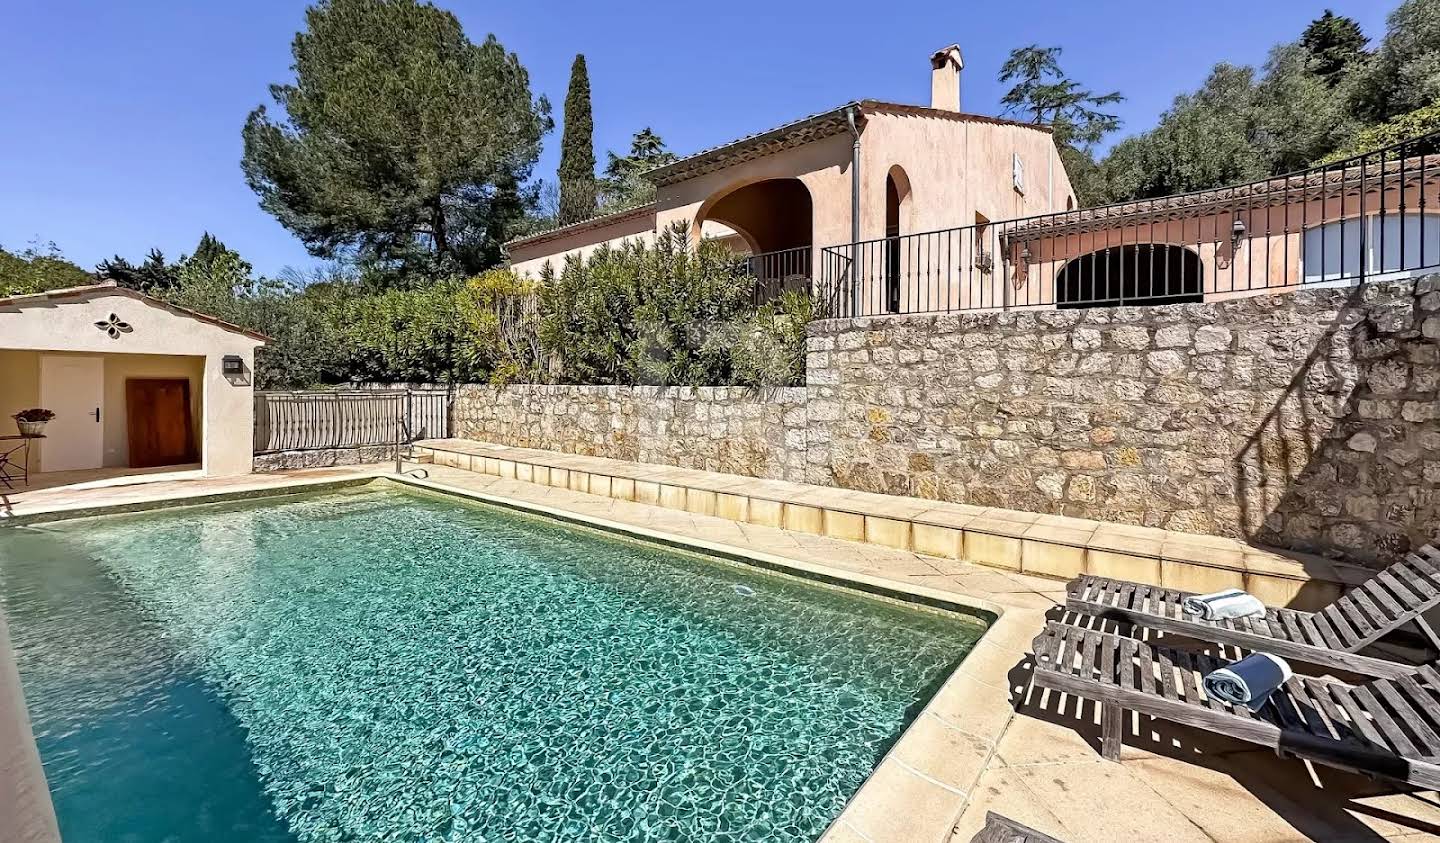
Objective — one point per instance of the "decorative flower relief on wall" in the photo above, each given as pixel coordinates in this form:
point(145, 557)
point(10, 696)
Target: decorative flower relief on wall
point(114, 326)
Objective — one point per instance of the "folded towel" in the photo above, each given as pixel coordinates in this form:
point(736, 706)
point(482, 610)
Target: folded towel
point(1230, 603)
point(1248, 682)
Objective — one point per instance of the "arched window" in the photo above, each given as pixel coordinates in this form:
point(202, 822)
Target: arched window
point(1145, 273)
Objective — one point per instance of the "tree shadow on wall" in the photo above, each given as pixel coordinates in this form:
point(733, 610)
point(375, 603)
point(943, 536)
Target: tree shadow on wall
point(1337, 465)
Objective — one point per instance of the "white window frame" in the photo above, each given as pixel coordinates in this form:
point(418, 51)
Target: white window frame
point(1418, 229)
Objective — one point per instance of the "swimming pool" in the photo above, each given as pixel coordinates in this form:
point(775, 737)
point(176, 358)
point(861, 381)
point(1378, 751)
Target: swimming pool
point(379, 665)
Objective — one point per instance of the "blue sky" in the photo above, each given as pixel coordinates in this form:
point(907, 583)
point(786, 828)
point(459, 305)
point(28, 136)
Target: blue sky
point(120, 122)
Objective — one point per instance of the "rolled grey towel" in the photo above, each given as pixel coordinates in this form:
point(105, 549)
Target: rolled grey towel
point(1230, 603)
point(1248, 682)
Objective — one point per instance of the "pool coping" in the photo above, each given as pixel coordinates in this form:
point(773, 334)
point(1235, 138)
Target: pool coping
point(919, 788)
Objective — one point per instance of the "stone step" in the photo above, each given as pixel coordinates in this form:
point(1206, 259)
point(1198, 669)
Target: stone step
point(1052, 546)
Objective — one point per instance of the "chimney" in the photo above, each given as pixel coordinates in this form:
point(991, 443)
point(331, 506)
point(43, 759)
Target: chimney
point(945, 67)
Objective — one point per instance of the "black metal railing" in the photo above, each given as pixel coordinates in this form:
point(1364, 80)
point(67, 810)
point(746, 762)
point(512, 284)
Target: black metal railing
point(1373, 216)
point(778, 271)
point(320, 419)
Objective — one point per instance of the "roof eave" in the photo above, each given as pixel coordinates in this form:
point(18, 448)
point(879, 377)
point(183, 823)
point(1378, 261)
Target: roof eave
point(583, 225)
point(675, 171)
point(708, 160)
point(110, 287)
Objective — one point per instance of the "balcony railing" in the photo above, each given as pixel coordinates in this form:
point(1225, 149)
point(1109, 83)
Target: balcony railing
point(778, 271)
point(1376, 215)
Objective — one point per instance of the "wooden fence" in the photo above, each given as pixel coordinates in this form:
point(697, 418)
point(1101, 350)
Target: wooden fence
point(321, 419)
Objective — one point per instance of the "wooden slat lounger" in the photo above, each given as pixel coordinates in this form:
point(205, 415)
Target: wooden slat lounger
point(1384, 727)
point(1331, 637)
point(1000, 829)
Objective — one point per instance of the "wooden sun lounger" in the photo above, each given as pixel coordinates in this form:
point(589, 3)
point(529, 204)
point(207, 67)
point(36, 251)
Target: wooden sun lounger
point(1384, 727)
point(1000, 829)
point(1331, 637)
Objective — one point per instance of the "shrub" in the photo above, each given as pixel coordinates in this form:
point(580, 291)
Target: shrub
point(640, 314)
point(770, 350)
point(502, 316)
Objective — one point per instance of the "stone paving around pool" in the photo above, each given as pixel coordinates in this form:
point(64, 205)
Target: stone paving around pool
point(985, 742)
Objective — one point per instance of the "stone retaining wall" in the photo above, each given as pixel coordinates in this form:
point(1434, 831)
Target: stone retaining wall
point(760, 433)
point(1307, 420)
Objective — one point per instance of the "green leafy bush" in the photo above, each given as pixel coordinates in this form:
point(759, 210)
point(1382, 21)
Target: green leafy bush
point(641, 314)
point(770, 350)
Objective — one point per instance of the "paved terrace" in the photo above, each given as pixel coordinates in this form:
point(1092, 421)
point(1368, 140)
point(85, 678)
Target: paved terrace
point(985, 742)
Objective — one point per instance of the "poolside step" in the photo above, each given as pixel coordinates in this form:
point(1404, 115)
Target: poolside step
point(1043, 545)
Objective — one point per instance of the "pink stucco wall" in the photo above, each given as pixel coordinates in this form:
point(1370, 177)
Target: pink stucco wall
point(955, 167)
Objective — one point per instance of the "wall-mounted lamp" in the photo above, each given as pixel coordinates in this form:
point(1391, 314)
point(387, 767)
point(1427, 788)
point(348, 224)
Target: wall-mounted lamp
point(1025, 252)
point(232, 364)
point(1237, 232)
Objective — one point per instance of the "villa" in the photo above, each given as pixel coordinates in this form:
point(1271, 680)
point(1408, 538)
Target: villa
point(865, 170)
point(883, 208)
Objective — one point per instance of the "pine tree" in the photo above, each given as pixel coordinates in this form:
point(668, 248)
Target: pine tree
point(577, 149)
point(394, 136)
point(624, 185)
point(1335, 43)
point(1043, 93)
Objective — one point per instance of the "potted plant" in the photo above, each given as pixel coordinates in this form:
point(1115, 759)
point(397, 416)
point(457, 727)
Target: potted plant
point(32, 422)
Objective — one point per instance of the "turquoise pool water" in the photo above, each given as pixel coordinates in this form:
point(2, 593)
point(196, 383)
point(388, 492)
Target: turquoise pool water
point(376, 665)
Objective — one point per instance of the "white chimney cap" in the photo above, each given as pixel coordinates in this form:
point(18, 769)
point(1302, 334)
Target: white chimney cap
point(949, 54)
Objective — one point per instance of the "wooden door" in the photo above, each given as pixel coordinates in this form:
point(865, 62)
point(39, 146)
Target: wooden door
point(157, 418)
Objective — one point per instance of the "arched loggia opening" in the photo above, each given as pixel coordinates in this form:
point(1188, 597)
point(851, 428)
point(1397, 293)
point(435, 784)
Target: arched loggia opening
point(1144, 273)
point(774, 219)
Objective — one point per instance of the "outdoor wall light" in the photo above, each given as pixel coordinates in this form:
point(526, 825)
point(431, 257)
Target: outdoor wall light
point(1025, 252)
point(1237, 231)
point(232, 364)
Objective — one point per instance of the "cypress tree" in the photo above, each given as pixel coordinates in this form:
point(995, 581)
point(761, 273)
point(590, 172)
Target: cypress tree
point(577, 149)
